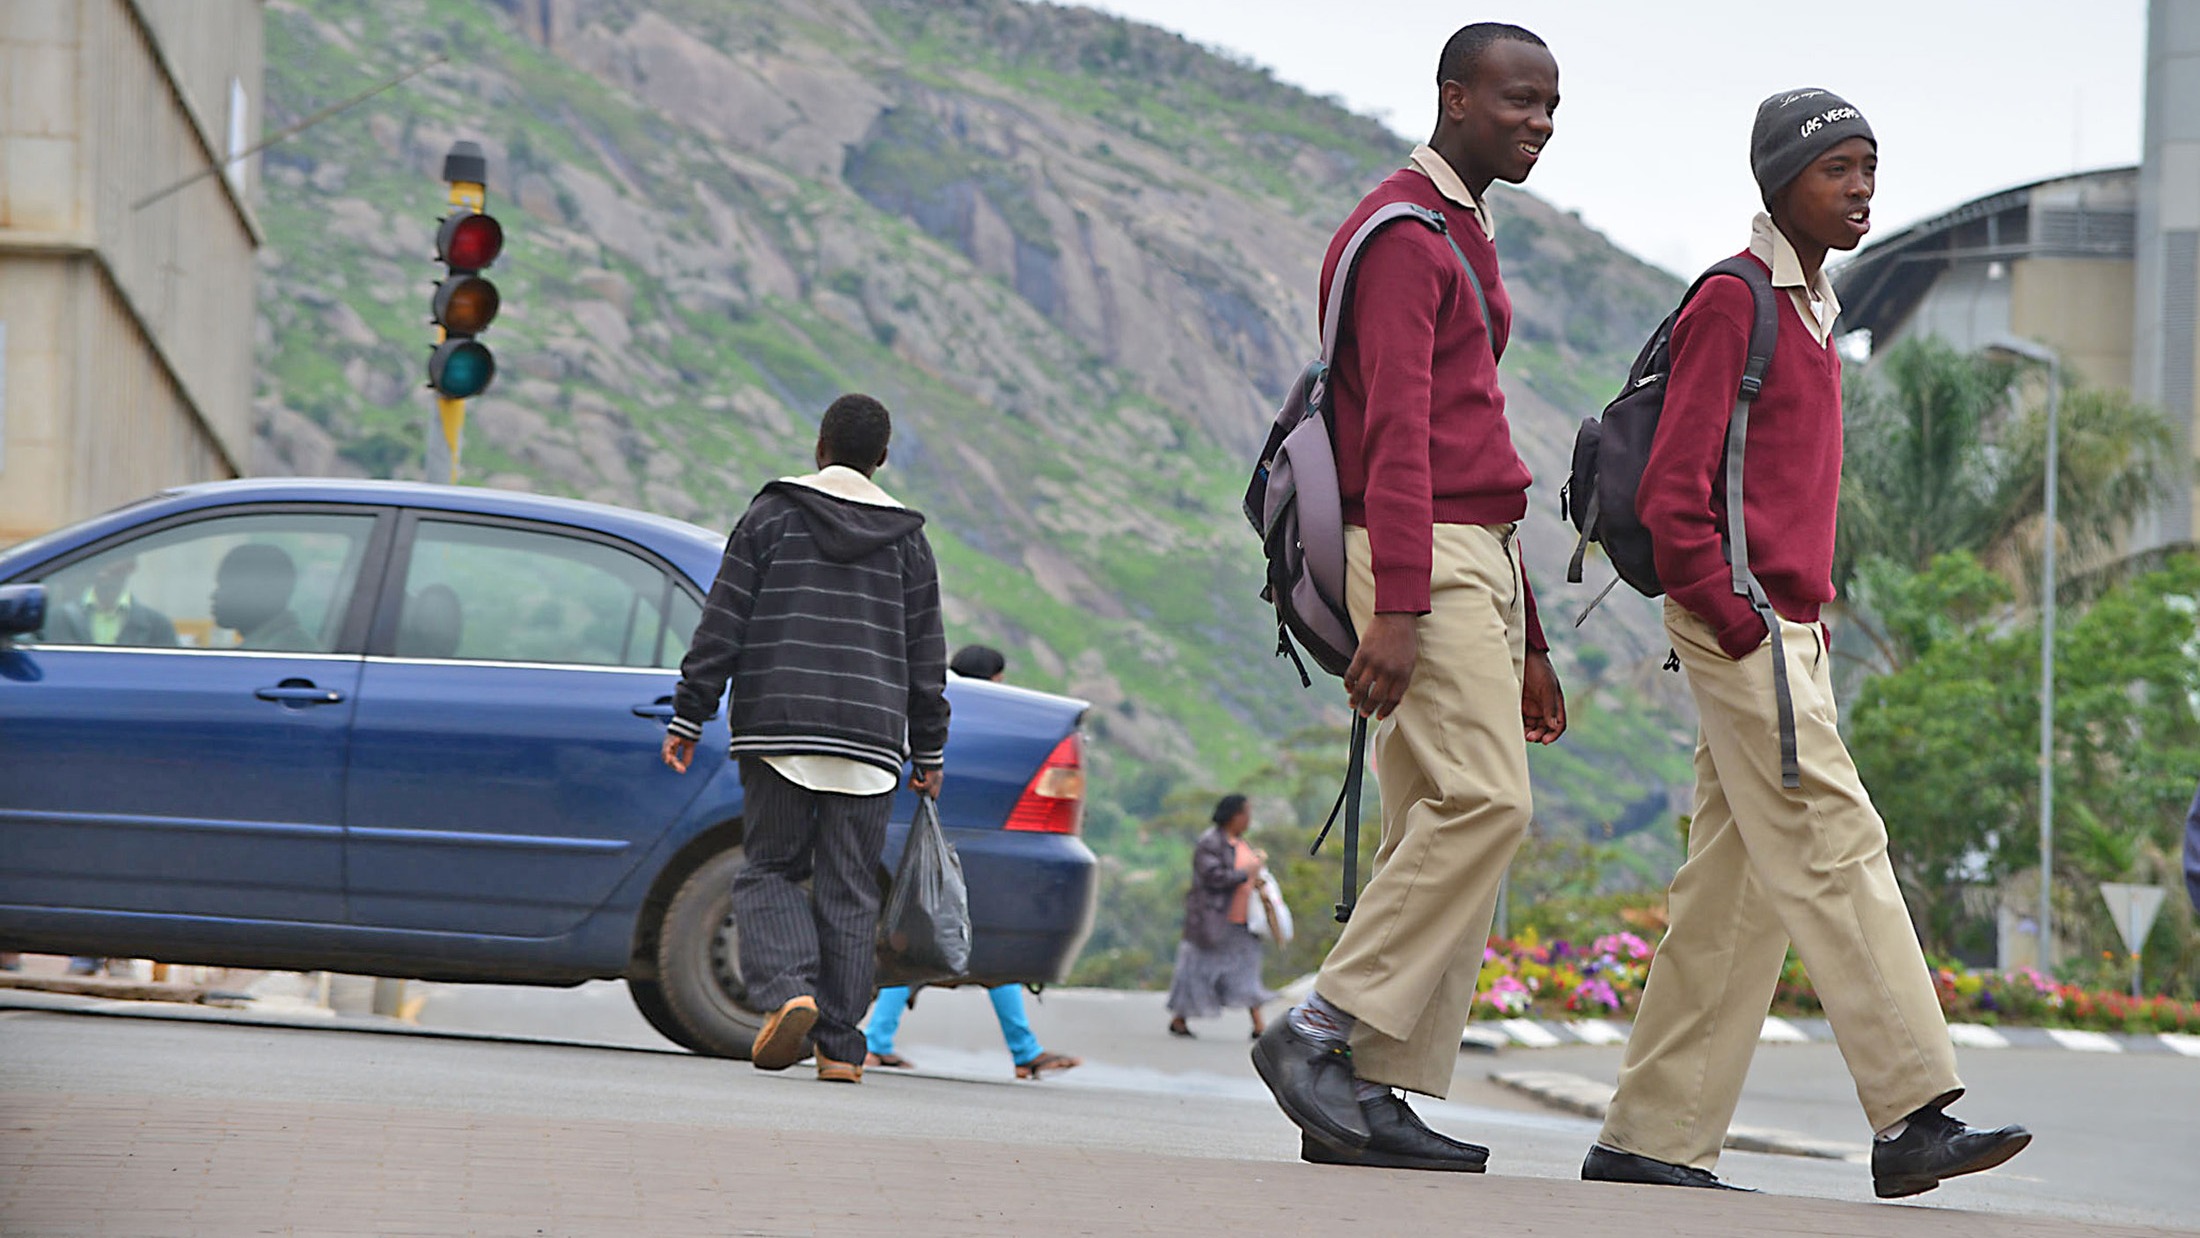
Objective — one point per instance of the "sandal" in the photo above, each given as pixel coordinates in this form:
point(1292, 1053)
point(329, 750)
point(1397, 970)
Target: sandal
point(892, 1061)
point(1177, 1027)
point(1040, 1066)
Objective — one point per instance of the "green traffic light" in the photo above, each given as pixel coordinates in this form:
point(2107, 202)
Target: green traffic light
point(461, 369)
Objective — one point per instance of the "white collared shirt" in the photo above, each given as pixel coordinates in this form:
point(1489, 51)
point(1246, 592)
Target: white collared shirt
point(1428, 163)
point(1814, 299)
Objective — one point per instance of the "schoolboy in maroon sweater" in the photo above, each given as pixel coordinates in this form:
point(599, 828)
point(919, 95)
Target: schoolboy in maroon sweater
point(1450, 658)
point(1766, 863)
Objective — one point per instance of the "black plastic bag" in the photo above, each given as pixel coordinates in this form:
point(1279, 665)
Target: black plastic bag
point(924, 930)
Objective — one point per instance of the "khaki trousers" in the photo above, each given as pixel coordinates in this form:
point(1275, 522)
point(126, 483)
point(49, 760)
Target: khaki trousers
point(1452, 767)
point(1767, 864)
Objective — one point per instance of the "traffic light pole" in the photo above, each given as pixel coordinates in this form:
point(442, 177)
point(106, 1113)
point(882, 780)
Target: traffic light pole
point(471, 196)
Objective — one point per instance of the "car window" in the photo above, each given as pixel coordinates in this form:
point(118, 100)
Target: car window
point(278, 582)
point(499, 594)
point(683, 616)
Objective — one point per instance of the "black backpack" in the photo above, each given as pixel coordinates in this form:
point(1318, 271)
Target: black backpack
point(1294, 503)
point(1612, 449)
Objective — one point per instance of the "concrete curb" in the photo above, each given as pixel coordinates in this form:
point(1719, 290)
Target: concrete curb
point(1574, 1094)
point(1494, 1035)
point(282, 1015)
point(112, 987)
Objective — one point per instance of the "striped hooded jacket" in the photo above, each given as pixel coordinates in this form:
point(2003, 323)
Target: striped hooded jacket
point(825, 618)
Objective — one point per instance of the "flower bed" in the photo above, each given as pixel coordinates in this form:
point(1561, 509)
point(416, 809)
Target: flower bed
point(2025, 997)
point(1526, 977)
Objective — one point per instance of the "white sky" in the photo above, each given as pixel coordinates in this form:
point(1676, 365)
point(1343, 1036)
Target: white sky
point(1652, 145)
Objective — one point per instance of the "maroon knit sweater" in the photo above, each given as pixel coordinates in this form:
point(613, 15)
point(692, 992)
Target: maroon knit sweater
point(1791, 467)
point(1420, 421)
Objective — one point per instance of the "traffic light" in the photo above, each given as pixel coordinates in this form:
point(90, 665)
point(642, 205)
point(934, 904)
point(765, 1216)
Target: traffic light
point(467, 242)
point(465, 302)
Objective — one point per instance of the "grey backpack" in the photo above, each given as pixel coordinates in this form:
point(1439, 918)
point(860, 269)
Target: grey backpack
point(1295, 505)
point(1293, 501)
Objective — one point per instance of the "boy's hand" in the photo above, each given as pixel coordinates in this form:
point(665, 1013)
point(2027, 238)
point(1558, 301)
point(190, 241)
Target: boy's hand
point(1542, 701)
point(927, 782)
point(678, 752)
point(1383, 665)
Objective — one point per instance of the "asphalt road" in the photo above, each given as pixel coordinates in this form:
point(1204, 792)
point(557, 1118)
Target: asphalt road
point(2118, 1137)
point(1144, 1105)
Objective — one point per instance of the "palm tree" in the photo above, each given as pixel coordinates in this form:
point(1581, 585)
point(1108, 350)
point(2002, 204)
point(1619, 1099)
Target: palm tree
point(1935, 460)
point(1918, 475)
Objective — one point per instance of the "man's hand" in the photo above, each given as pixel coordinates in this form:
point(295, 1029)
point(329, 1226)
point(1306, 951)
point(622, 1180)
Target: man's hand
point(1542, 701)
point(678, 752)
point(927, 782)
point(1383, 665)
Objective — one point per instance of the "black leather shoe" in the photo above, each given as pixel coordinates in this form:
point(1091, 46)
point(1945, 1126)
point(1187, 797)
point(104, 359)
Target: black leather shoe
point(1605, 1165)
point(1937, 1146)
point(1397, 1139)
point(1312, 1084)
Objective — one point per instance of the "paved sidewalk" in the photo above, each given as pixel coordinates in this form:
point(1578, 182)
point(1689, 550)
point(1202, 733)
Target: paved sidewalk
point(83, 1164)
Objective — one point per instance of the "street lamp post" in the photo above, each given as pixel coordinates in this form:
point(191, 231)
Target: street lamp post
point(2028, 350)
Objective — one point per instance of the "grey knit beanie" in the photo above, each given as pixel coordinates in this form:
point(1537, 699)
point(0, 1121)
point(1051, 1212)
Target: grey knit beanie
point(1794, 128)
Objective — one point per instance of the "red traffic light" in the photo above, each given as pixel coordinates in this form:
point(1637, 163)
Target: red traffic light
point(465, 305)
point(469, 242)
point(461, 369)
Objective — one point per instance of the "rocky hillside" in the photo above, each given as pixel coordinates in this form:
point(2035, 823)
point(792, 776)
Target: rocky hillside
point(1075, 255)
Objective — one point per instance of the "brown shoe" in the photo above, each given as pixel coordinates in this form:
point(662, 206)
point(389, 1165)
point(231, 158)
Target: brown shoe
point(1047, 1064)
point(785, 1037)
point(830, 1071)
point(893, 1061)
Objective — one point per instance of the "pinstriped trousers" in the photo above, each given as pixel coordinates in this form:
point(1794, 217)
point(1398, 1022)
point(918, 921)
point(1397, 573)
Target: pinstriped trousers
point(822, 942)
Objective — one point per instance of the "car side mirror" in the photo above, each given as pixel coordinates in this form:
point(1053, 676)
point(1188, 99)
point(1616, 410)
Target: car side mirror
point(22, 609)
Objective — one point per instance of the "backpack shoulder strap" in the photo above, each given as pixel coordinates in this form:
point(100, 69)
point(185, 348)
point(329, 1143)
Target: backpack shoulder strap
point(1764, 335)
point(1764, 327)
point(1340, 281)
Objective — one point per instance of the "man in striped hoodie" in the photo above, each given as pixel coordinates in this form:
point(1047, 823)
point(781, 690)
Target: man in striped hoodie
point(825, 617)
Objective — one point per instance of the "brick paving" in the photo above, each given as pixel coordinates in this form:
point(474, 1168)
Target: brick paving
point(138, 1167)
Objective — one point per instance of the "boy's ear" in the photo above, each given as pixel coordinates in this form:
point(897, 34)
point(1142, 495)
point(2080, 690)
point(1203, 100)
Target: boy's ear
point(1451, 101)
point(881, 458)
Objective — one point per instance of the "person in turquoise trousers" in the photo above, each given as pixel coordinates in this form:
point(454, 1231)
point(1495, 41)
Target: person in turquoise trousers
point(1032, 1061)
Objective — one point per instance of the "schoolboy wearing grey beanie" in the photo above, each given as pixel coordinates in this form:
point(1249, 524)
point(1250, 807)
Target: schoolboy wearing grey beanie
point(1793, 129)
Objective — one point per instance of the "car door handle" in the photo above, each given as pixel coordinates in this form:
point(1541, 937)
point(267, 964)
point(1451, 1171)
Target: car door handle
point(299, 692)
point(659, 708)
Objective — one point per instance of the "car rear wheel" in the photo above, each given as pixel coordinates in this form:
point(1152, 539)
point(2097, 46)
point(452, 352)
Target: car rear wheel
point(696, 999)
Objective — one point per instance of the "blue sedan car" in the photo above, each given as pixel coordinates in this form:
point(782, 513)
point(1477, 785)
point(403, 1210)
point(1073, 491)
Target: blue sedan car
point(412, 730)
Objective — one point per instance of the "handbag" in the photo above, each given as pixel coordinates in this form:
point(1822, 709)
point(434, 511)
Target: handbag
point(924, 928)
point(1266, 914)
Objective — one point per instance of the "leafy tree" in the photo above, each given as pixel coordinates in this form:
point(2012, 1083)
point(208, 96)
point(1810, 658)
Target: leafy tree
point(1947, 745)
point(1944, 742)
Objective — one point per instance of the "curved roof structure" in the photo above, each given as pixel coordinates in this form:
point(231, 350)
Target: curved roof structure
point(2082, 215)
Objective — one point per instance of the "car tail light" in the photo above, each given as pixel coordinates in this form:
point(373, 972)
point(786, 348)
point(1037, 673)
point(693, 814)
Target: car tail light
point(1054, 802)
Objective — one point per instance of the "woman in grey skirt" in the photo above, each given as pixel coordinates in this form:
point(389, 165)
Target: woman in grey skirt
point(1218, 962)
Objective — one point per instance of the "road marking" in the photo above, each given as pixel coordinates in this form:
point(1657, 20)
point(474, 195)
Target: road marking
point(1781, 1032)
point(2182, 1042)
point(1600, 1032)
point(1976, 1036)
point(2083, 1042)
point(1529, 1033)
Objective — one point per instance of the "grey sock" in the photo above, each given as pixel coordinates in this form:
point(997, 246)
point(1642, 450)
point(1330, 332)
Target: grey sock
point(1321, 1022)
